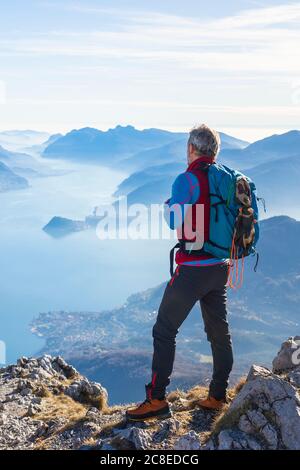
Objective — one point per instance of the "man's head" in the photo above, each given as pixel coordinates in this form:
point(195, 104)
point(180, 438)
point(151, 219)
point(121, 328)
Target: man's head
point(203, 141)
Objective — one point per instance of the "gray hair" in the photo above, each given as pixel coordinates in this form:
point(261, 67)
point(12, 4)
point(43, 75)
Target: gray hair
point(206, 141)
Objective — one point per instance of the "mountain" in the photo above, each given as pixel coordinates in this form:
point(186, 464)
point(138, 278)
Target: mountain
point(26, 165)
point(173, 152)
point(150, 175)
point(277, 182)
point(14, 159)
point(116, 345)
point(90, 144)
point(264, 151)
point(9, 180)
point(37, 149)
point(46, 404)
point(130, 147)
point(18, 140)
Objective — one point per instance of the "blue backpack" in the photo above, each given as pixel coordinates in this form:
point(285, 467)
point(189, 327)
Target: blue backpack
point(233, 213)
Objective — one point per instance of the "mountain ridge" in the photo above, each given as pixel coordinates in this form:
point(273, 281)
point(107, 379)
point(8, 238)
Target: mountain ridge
point(121, 142)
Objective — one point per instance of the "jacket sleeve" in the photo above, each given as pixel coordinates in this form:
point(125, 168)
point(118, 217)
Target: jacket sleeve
point(185, 191)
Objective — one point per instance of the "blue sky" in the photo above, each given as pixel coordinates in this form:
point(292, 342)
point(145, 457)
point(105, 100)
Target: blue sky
point(170, 64)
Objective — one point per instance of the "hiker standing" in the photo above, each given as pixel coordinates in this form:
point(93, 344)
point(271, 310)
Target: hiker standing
point(228, 233)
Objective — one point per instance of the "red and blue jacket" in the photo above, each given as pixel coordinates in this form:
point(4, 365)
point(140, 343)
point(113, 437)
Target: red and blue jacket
point(190, 188)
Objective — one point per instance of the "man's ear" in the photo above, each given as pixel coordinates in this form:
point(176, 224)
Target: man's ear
point(191, 149)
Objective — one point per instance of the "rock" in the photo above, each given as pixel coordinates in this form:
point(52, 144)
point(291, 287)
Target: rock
point(24, 387)
point(85, 391)
point(271, 386)
point(287, 413)
point(60, 365)
point(167, 427)
point(264, 414)
point(262, 402)
point(209, 445)
point(270, 435)
point(3, 419)
point(140, 438)
point(288, 356)
point(252, 443)
point(15, 371)
point(46, 363)
point(294, 377)
point(225, 440)
point(36, 400)
point(257, 418)
point(257, 371)
point(92, 411)
point(22, 361)
point(33, 409)
point(42, 429)
point(245, 425)
point(106, 445)
point(189, 441)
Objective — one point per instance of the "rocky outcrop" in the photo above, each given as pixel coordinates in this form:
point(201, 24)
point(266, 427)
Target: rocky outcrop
point(31, 391)
point(289, 355)
point(46, 403)
point(60, 226)
point(266, 412)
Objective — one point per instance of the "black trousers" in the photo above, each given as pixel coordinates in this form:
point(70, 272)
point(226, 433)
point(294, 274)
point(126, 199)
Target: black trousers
point(190, 284)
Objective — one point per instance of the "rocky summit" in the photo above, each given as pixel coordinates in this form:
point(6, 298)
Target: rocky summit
point(46, 403)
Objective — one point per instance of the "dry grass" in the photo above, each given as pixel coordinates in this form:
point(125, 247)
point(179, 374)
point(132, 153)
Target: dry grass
point(55, 406)
point(190, 398)
point(110, 410)
point(59, 406)
point(226, 420)
point(232, 392)
point(173, 396)
point(99, 402)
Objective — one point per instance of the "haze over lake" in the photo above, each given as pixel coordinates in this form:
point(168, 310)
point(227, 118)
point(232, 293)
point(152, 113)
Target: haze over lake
point(78, 272)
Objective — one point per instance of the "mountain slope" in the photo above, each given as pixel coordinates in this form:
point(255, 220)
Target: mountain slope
point(14, 159)
point(37, 149)
point(278, 183)
point(90, 144)
point(173, 153)
point(25, 165)
point(149, 175)
point(105, 344)
point(264, 151)
point(10, 180)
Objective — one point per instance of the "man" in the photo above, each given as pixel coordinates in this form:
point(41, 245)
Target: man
point(199, 276)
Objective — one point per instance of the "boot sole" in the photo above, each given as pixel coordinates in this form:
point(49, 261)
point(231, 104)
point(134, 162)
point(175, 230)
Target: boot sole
point(149, 418)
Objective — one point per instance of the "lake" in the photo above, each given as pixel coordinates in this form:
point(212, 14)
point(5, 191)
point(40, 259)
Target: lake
point(79, 272)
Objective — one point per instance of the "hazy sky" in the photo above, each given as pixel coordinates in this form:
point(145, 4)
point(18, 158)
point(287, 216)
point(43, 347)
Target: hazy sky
point(168, 64)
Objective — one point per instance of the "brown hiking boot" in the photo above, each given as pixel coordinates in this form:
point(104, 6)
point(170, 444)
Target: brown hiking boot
point(210, 403)
point(149, 409)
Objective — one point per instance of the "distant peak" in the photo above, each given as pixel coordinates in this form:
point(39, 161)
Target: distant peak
point(120, 127)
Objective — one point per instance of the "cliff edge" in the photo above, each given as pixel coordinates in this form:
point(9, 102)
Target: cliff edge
point(46, 403)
